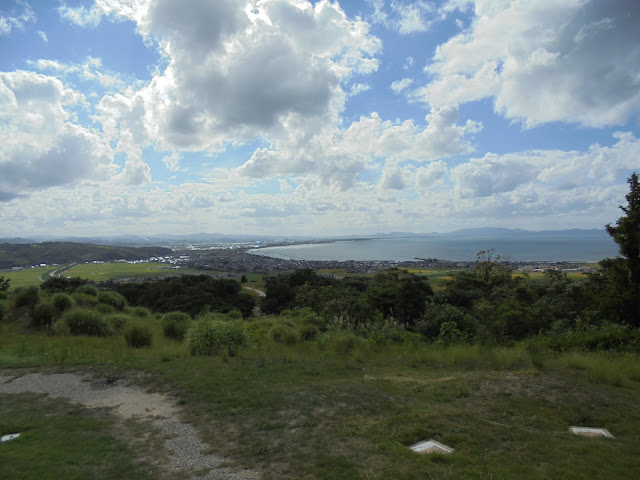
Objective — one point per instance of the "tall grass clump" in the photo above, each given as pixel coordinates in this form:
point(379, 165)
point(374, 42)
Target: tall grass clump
point(140, 312)
point(62, 302)
point(283, 334)
point(27, 297)
point(86, 322)
point(118, 321)
point(112, 298)
point(175, 325)
point(209, 336)
point(44, 314)
point(137, 335)
point(84, 299)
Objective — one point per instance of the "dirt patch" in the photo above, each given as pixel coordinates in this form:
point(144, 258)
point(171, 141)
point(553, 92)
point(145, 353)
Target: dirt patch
point(130, 402)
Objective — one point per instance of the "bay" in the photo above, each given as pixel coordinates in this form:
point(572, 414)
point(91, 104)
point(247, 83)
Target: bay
point(558, 248)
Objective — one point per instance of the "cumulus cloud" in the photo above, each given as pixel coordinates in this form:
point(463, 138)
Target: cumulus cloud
point(237, 73)
point(172, 161)
point(40, 146)
point(544, 61)
point(400, 85)
point(340, 156)
point(21, 15)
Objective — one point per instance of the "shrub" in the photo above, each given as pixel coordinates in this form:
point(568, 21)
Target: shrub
point(112, 298)
point(137, 335)
point(84, 299)
point(283, 334)
point(175, 325)
point(60, 328)
point(62, 302)
point(105, 308)
point(308, 332)
point(44, 314)
point(208, 337)
point(3, 311)
point(87, 290)
point(86, 322)
point(235, 314)
point(118, 321)
point(140, 312)
point(27, 297)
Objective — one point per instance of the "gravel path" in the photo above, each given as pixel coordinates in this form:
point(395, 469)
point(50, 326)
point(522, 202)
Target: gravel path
point(130, 401)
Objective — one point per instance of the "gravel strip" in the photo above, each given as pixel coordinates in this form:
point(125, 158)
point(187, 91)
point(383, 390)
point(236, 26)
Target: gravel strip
point(130, 401)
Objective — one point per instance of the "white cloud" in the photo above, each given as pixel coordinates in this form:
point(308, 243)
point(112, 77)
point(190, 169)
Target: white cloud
point(9, 21)
point(43, 36)
point(91, 69)
point(412, 17)
point(234, 75)
point(172, 161)
point(544, 61)
point(399, 85)
point(40, 146)
point(432, 175)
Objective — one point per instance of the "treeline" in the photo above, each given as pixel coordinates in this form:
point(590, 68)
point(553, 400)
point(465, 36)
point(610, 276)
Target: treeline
point(192, 294)
point(26, 255)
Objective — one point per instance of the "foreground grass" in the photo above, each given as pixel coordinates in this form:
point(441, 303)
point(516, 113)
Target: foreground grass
point(318, 411)
point(62, 440)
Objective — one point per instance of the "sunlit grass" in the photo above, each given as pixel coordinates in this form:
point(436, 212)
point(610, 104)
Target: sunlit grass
point(27, 276)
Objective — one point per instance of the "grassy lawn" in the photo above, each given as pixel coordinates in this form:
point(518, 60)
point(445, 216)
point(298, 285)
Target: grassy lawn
point(98, 272)
point(27, 276)
point(326, 411)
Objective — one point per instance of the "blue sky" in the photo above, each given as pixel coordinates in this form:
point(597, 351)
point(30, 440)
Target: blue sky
point(291, 117)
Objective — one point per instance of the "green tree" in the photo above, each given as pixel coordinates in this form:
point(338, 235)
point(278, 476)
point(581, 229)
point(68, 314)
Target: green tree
point(4, 284)
point(626, 233)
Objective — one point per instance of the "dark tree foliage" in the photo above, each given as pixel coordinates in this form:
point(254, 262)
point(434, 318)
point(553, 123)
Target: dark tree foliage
point(188, 293)
point(60, 284)
point(626, 234)
point(4, 284)
point(394, 293)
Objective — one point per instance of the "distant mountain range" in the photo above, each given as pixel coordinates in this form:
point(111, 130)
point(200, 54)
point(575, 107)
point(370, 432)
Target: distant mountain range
point(155, 240)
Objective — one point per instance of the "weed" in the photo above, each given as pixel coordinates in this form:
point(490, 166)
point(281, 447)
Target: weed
point(137, 335)
point(209, 336)
point(86, 322)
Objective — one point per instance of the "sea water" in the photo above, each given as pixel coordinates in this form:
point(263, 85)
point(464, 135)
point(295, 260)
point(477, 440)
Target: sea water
point(589, 248)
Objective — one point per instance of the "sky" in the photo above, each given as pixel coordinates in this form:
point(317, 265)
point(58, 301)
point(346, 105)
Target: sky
point(321, 118)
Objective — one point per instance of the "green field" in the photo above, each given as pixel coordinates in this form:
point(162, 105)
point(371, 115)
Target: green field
point(100, 272)
point(27, 277)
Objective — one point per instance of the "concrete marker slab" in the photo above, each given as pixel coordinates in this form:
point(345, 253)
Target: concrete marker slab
point(7, 438)
point(431, 446)
point(591, 432)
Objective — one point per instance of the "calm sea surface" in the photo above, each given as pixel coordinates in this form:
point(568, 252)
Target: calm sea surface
point(516, 248)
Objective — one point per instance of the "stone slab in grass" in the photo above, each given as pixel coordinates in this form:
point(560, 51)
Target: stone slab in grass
point(591, 432)
point(431, 446)
point(7, 438)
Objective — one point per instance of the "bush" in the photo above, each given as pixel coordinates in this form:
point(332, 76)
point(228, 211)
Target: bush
point(208, 337)
point(140, 312)
point(234, 314)
point(3, 311)
point(60, 328)
point(112, 298)
point(308, 332)
point(105, 309)
point(87, 290)
point(283, 334)
point(137, 335)
point(175, 325)
point(27, 297)
point(86, 322)
point(62, 302)
point(118, 321)
point(44, 314)
point(84, 299)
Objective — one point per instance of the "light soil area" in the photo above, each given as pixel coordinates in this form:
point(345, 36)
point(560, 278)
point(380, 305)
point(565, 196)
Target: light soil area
point(130, 402)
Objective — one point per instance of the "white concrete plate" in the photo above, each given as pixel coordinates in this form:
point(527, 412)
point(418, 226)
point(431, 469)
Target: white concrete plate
point(431, 446)
point(11, 436)
point(591, 432)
